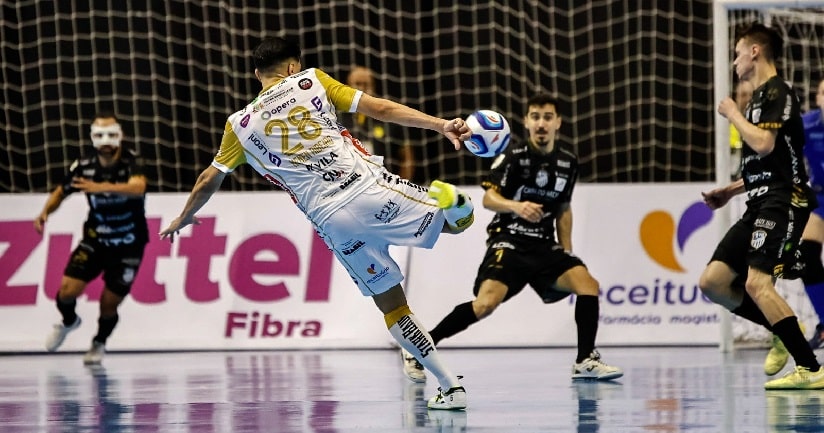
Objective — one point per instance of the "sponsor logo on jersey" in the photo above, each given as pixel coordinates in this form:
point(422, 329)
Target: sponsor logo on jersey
point(503, 245)
point(317, 103)
point(427, 220)
point(764, 223)
point(560, 183)
point(564, 164)
point(350, 180)
point(245, 121)
point(377, 274)
point(258, 142)
point(354, 247)
point(388, 212)
point(305, 84)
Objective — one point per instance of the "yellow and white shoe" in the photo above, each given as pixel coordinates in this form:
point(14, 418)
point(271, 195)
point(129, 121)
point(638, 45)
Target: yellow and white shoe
point(778, 355)
point(799, 378)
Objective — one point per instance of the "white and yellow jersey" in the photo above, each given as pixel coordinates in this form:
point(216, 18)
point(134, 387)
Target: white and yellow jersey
point(290, 135)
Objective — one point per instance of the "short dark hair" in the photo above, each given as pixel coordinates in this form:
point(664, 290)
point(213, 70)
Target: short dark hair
point(272, 51)
point(105, 114)
point(539, 100)
point(770, 41)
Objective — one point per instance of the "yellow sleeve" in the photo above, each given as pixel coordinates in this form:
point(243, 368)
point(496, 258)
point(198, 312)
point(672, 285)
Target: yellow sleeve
point(341, 95)
point(735, 138)
point(231, 152)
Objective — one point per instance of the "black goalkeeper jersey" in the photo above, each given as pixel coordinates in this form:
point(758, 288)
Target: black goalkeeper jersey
point(780, 176)
point(526, 174)
point(114, 219)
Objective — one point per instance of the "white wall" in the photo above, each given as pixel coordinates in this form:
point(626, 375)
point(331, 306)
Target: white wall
point(255, 275)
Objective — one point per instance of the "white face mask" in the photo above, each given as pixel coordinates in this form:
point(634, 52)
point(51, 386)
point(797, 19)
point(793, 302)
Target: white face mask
point(106, 135)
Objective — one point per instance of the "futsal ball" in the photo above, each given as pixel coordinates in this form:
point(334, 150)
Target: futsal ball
point(490, 133)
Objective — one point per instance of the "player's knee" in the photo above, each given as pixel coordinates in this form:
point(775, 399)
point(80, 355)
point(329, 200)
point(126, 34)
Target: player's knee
point(710, 285)
point(483, 307)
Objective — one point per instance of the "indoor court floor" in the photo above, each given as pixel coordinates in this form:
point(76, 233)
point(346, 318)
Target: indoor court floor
point(692, 389)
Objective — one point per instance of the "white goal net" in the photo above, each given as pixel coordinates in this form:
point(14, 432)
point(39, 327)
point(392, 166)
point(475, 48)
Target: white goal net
point(802, 65)
point(634, 78)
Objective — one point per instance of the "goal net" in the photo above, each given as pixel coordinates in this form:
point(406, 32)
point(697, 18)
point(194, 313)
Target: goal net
point(802, 65)
point(634, 79)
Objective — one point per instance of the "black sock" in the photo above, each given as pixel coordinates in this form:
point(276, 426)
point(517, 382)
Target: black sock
point(66, 309)
point(105, 326)
point(459, 319)
point(586, 317)
point(751, 312)
point(787, 330)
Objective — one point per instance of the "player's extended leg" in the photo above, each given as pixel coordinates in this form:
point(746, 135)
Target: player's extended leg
point(412, 336)
point(457, 206)
point(66, 300)
point(109, 301)
point(808, 373)
point(718, 282)
point(490, 294)
point(588, 363)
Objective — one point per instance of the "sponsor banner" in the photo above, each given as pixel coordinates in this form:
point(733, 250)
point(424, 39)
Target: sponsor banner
point(646, 245)
point(254, 275)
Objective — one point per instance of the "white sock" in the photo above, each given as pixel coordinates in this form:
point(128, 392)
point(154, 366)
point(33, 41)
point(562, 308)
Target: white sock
point(412, 336)
point(462, 215)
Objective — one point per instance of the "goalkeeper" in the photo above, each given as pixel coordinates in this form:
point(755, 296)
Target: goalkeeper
point(114, 234)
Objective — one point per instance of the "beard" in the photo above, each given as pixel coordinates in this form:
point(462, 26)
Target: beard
point(107, 151)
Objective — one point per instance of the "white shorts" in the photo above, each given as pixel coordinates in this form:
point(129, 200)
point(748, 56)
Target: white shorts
point(388, 213)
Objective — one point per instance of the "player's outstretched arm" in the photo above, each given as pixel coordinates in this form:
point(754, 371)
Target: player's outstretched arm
point(388, 111)
point(207, 184)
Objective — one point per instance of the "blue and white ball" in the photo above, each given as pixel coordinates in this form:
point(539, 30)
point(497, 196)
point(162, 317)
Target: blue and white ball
point(490, 133)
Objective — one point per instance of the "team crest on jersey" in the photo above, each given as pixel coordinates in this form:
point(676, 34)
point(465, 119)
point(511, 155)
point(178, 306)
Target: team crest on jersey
point(541, 178)
point(305, 84)
point(758, 238)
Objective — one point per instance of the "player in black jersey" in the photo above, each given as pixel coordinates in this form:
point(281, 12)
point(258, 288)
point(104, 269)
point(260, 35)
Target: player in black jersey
point(114, 234)
point(530, 189)
point(741, 274)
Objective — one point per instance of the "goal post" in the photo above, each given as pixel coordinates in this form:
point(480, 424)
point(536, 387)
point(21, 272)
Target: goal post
point(806, 13)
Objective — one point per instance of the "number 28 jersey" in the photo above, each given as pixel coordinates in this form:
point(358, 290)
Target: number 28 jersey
point(291, 136)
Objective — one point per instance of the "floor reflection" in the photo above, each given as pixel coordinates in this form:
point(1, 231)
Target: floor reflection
point(664, 390)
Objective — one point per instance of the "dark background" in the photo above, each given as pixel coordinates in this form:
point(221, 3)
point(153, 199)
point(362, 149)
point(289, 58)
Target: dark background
point(634, 78)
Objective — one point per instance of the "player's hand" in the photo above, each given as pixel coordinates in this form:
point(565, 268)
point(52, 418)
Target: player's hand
point(86, 185)
point(727, 107)
point(456, 131)
point(40, 223)
point(716, 198)
point(175, 226)
point(532, 212)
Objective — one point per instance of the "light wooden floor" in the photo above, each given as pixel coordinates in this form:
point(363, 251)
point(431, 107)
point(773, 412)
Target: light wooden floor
point(510, 390)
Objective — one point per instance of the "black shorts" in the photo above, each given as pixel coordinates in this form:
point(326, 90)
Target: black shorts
point(119, 265)
point(516, 263)
point(764, 238)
